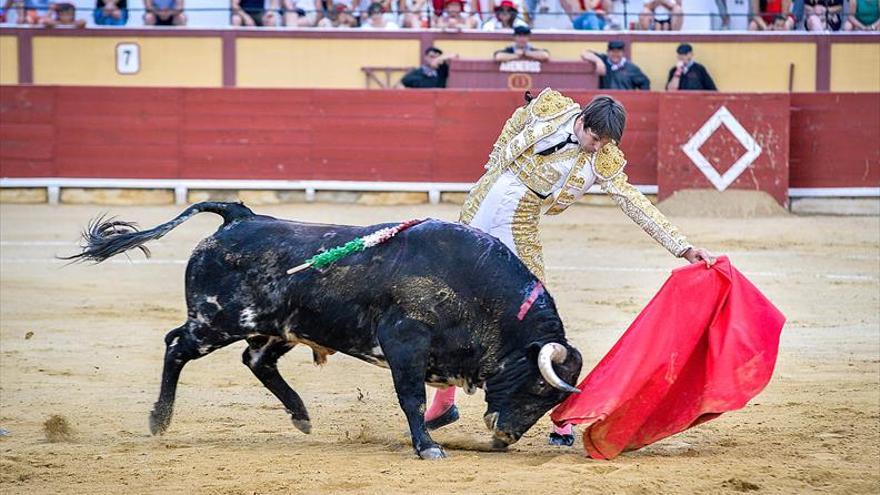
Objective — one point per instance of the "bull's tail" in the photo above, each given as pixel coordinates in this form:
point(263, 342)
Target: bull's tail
point(106, 237)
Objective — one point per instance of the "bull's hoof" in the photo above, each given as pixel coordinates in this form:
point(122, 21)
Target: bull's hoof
point(159, 421)
point(499, 445)
point(561, 440)
point(432, 453)
point(447, 418)
point(303, 425)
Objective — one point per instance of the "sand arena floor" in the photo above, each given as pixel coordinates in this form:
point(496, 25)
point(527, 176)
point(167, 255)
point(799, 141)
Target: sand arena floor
point(95, 354)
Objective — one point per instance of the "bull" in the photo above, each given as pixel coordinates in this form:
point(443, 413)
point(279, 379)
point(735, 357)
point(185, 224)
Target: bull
point(440, 304)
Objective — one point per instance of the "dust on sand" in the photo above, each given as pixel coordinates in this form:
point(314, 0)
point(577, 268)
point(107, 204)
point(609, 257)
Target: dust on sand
point(97, 358)
point(57, 429)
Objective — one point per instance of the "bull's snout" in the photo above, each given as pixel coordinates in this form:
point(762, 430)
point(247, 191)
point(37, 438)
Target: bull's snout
point(502, 439)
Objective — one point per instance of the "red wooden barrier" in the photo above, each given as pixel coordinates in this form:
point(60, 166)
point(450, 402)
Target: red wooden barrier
point(724, 141)
point(436, 136)
point(834, 140)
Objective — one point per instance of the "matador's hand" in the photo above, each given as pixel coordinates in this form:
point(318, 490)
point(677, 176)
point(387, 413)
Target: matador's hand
point(696, 255)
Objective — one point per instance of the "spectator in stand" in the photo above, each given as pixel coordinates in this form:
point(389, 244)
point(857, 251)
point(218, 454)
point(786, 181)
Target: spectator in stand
point(340, 14)
point(521, 48)
point(254, 13)
point(164, 13)
point(688, 74)
point(376, 18)
point(64, 16)
point(614, 70)
point(770, 15)
point(823, 15)
point(661, 15)
point(454, 18)
point(433, 72)
point(32, 12)
point(414, 13)
point(550, 14)
point(590, 15)
point(300, 13)
point(111, 12)
point(506, 18)
point(864, 15)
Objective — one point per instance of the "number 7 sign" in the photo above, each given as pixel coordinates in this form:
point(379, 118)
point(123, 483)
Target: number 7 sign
point(128, 58)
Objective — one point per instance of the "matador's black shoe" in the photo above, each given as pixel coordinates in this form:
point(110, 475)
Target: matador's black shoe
point(447, 418)
point(561, 440)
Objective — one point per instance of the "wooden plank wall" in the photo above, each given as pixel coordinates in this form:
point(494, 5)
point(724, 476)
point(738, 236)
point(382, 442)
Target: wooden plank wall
point(437, 136)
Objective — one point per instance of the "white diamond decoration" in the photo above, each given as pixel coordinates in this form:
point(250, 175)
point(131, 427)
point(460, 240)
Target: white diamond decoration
point(692, 148)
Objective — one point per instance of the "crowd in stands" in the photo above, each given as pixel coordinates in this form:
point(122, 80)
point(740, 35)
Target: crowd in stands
point(455, 15)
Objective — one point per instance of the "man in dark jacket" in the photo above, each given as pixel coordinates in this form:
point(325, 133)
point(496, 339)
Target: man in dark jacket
point(614, 70)
point(433, 72)
point(687, 74)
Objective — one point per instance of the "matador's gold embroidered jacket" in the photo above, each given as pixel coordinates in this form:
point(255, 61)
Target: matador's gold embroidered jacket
point(520, 182)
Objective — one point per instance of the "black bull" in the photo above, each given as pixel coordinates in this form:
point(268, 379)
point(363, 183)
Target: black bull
point(438, 304)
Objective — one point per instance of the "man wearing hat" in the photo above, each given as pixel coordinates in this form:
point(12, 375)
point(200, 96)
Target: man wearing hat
point(614, 70)
point(521, 48)
point(549, 153)
point(687, 74)
point(506, 17)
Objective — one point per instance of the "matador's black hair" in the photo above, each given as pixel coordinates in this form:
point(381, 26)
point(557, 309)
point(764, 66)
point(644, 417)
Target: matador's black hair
point(606, 117)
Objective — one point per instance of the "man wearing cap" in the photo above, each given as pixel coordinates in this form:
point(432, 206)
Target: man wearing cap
point(506, 17)
point(549, 153)
point(687, 74)
point(433, 72)
point(521, 48)
point(614, 70)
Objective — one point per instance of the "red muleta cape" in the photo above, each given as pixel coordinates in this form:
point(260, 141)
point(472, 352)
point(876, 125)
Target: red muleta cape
point(704, 345)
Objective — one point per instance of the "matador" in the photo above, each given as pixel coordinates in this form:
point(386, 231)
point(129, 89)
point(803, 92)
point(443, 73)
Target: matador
point(549, 153)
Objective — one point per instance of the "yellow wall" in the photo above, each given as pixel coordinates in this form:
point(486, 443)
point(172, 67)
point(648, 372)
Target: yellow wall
point(559, 50)
point(164, 61)
point(8, 60)
point(743, 67)
point(317, 63)
point(855, 67)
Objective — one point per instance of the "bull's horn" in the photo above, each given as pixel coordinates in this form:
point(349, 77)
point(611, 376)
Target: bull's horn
point(553, 353)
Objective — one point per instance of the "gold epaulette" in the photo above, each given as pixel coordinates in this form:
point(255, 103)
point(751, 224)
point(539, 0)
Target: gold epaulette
point(550, 104)
point(609, 162)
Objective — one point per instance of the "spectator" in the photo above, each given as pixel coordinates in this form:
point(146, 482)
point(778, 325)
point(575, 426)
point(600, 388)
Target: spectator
point(614, 70)
point(33, 12)
point(414, 13)
point(770, 15)
point(687, 74)
point(433, 72)
point(111, 12)
point(661, 15)
point(340, 14)
point(590, 15)
point(550, 14)
point(254, 13)
point(164, 13)
point(521, 48)
point(864, 16)
point(376, 18)
point(506, 17)
point(300, 13)
point(65, 16)
point(454, 18)
point(823, 15)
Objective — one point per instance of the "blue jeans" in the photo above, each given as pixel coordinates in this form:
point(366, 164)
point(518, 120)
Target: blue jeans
point(589, 22)
point(106, 20)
